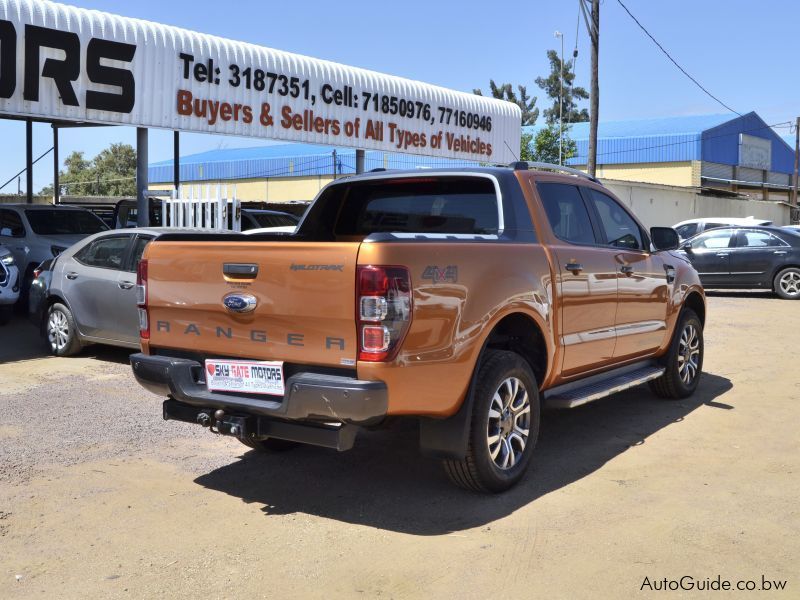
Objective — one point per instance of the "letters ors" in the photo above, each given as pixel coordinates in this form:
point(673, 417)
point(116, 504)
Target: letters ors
point(65, 71)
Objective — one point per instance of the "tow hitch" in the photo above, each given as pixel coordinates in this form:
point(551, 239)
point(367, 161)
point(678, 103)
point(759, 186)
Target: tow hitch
point(222, 424)
point(337, 436)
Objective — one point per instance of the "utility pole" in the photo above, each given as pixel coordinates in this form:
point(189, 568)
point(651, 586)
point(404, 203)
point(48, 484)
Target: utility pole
point(796, 161)
point(558, 34)
point(594, 93)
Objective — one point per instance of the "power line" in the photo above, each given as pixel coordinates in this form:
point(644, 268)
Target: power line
point(674, 62)
point(26, 168)
point(94, 181)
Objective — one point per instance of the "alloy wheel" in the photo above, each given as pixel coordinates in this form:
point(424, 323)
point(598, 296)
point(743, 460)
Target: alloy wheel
point(509, 423)
point(57, 330)
point(689, 354)
point(790, 283)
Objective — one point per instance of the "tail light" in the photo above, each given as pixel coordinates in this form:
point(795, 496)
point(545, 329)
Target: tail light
point(383, 311)
point(141, 299)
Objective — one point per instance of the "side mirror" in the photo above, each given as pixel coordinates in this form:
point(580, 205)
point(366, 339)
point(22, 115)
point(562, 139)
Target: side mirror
point(664, 238)
point(5, 231)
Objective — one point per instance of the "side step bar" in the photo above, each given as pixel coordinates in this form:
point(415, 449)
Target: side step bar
point(576, 393)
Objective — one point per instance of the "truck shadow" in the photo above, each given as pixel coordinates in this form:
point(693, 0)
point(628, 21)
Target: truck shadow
point(384, 482)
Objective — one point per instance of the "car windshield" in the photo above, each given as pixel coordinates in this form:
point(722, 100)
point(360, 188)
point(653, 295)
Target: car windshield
point(64, 222)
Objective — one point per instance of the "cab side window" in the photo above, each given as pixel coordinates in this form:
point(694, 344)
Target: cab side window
point(11, 224)
point(620, 228)
point(107, 253)
point(566, 212)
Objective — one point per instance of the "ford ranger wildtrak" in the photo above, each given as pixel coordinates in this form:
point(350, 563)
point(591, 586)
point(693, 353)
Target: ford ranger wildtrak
point(465, 299)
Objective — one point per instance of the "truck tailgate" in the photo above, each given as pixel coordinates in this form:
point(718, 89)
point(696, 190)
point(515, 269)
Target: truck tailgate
point(304, 292)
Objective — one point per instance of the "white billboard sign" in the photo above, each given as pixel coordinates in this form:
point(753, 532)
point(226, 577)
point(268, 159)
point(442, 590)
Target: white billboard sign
point(66, 63)
point(755, 152)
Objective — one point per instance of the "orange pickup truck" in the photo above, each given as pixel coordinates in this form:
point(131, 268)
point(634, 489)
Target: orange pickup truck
point(465, 299)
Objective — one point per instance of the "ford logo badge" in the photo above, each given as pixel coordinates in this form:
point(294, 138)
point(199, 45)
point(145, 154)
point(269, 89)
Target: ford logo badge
point(240, 303)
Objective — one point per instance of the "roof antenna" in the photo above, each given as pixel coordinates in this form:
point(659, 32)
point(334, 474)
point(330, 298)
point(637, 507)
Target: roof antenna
point(510, 150)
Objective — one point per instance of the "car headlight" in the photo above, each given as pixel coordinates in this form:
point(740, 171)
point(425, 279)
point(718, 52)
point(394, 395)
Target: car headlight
point(56, 250)
point(7, 260)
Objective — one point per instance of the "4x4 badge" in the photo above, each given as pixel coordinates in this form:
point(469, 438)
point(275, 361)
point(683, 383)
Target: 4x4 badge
point(437, 275)
point(240, 303)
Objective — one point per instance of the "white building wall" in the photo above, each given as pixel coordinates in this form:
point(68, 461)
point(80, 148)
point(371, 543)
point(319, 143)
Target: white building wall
point(664, 205)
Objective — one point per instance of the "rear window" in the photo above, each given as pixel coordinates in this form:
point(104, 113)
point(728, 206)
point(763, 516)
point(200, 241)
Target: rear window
point(451, 205)
point(64, 222)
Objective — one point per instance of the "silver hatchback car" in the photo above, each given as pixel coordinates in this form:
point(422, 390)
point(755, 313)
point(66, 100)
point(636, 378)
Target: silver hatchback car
point(87, 294)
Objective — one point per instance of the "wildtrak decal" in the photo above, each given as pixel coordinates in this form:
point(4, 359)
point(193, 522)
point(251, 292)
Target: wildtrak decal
point(296, 267)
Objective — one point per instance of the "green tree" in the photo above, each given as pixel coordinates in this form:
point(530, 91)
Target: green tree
point(543, 147)
point(526, 147)
point(111, 173)
point(116, 166)
point(552, 86)
point(506, 92)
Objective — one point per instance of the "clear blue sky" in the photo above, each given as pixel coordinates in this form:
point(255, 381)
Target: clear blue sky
point(744, 52)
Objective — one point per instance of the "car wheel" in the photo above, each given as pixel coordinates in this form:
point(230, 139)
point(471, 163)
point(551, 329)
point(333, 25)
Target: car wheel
point(6, 312)
point(62, 335)
point(787, 284)
point(504, 425)
point(684, 360)
point(269, 444)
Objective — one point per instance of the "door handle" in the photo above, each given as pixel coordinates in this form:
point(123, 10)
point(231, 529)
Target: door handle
point(125, 285)
point(723, 254)
point(779, 252)
point(72, 275)
point(627, 269)
point(574, 267)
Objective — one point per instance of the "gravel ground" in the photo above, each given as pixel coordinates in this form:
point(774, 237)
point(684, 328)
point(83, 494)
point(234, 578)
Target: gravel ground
point(99, 497)
point(98, 412)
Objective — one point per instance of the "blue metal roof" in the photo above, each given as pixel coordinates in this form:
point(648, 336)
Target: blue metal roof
point(712, 138)
point(286, 160)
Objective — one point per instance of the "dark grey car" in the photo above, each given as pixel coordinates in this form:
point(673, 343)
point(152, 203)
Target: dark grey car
point(36, 232)
point(747, 258)
point(88, 293)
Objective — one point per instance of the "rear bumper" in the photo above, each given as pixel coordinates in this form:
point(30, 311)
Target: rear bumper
point(309, 396)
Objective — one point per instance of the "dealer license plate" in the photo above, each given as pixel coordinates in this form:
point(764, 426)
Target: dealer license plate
point(252, 377)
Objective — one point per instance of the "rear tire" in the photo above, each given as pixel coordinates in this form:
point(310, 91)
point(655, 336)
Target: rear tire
point(504, 426)
point(684, 360)
point(62, 334)
point(787, 284)
point(269, 445)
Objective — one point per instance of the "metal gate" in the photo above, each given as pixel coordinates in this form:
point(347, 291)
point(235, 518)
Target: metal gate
point(222, 211)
